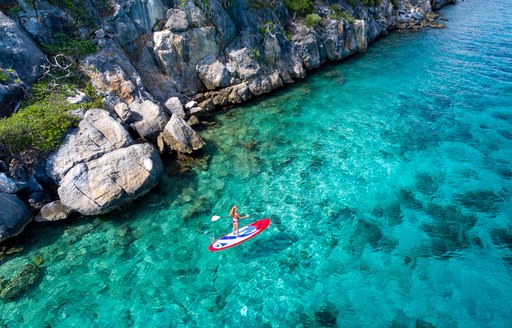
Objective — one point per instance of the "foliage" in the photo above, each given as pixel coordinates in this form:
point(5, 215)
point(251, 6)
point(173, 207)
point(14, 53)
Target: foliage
point(368, 3)
point(266, 28)
point(395, 3)
point(64, 44)
point(39, 126)
point(341, 14)
point(43, 119)
point(3, 77)
point(255, 54)
point(9, 73)
point(227, 3)
point(62, 3)
point(312, 20)
point(14, 10)
point(352, 3)
point(299, 6)
point(81, 13)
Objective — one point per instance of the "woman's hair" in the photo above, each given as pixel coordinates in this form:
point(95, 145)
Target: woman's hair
point(233, 210)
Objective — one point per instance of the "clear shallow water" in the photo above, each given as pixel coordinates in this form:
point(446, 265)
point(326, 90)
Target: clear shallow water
point(388, 182)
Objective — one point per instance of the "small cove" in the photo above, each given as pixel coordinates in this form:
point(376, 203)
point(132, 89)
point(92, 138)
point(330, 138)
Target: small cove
point(387, 178)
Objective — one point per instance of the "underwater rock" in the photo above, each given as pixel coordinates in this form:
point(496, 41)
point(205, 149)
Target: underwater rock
point(449, 230)
point(326, 317)
point(420, 323)
point(23, 280)
point(480, 200)
point(408, 199)
point(365, 233)
point(426, 183)
point(502, 237)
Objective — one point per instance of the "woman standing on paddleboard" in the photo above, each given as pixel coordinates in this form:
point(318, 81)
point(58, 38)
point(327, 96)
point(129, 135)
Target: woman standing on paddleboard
point(233, 213)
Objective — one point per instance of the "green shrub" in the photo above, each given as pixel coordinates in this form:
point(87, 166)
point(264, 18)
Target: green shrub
point(64, 44)
point(267, 27)
point(14, 10)
point(312, 20)
point(346, 16)
point(299, 6)
point(255, 54)
point(368, 3)
point(43, 118)
point(39, 126)
point(3, 77)
point(339, 14)
point(67, 4)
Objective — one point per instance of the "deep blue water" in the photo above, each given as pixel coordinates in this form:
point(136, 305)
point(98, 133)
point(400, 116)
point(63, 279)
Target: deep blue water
point(387, 178)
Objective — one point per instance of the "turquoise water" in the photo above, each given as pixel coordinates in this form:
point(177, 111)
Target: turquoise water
point(388, 182)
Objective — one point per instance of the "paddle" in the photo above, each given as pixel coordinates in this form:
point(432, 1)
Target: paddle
point(216, 217)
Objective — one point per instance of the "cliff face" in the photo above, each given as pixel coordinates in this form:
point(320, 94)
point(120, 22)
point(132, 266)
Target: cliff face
point(228, 51)
point(162, 65)
point(219, 52)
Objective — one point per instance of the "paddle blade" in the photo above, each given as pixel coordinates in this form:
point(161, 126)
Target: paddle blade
point(215, 217)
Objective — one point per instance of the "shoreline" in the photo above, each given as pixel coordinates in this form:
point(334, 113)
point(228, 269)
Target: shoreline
point(204, 104)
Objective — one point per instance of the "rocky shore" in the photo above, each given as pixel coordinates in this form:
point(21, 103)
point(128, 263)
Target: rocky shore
point(162, 68)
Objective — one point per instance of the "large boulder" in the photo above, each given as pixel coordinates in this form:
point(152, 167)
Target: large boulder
point(245, 63)
point(173, 106)
point(116, 178)
point(212, 73)
point(14, 216)
point(53, 211)
point(20, 63)
point(99, 168)
point(97, 134)
point(147, 118)
point(179, 136)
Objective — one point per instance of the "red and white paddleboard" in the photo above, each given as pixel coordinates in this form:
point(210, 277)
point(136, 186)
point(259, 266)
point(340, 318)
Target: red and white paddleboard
point(244, 234)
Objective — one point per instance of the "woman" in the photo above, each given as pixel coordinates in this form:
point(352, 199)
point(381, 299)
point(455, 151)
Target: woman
point(235, 217)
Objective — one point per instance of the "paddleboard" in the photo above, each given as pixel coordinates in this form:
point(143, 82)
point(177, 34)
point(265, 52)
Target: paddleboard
point(244, 234)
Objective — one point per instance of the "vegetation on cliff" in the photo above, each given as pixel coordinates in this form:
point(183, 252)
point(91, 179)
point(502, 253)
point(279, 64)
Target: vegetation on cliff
point(44, 116)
